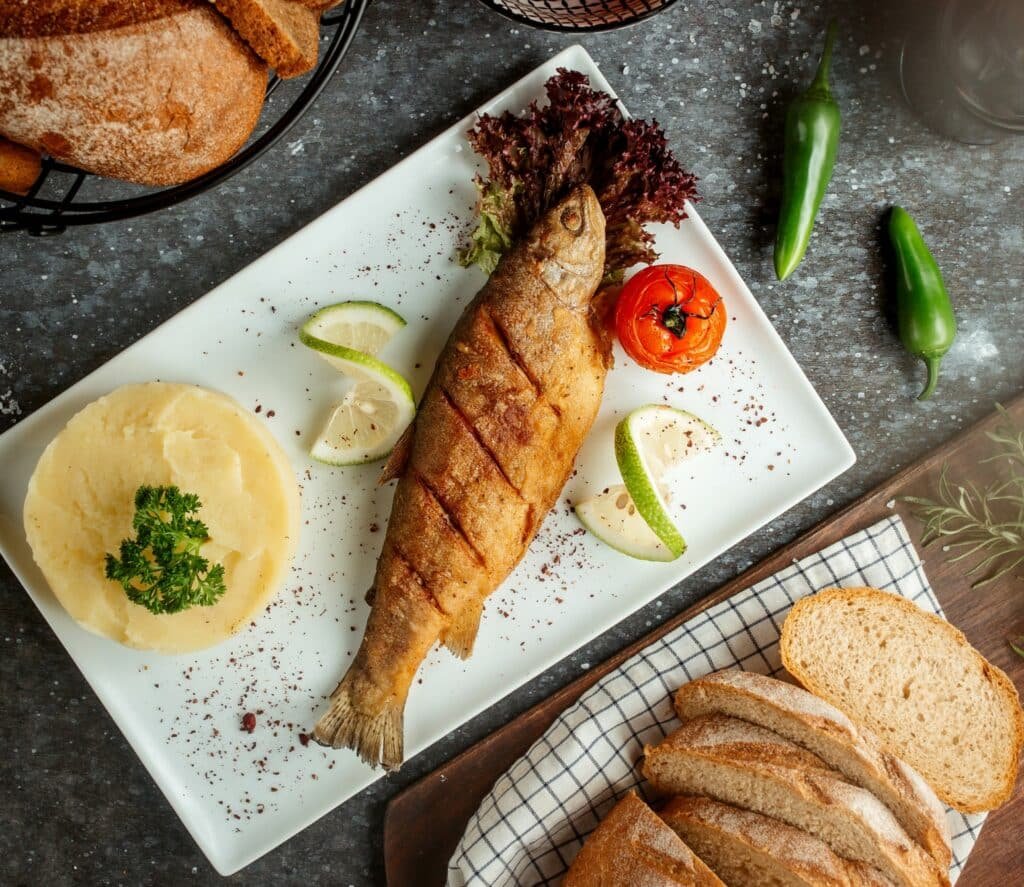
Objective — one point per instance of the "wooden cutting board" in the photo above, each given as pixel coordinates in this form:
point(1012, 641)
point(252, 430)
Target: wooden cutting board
point(424, 823)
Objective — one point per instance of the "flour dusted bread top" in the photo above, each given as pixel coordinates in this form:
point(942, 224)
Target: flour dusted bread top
point(632, 846)
point(57, 18)
point(156, 101)
point(752, 768)
point(913, 680)
point(747, 849)
point(821, 728)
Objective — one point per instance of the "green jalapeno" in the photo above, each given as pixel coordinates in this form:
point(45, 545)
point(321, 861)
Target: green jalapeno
point(925, 318)
point(812, 136)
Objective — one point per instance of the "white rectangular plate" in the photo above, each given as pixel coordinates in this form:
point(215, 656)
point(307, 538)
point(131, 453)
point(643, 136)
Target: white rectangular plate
point(240, 795)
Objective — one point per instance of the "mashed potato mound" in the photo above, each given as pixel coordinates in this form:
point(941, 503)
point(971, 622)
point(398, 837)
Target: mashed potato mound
point(80, 505)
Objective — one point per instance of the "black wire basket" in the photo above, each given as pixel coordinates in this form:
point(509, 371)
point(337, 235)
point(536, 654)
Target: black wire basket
point(578, 15)
point(57, 199)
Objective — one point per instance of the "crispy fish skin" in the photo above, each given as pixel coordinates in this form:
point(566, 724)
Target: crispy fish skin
point(514, 393)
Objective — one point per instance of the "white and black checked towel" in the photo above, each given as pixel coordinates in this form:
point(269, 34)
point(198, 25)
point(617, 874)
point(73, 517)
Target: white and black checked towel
point(533, 822)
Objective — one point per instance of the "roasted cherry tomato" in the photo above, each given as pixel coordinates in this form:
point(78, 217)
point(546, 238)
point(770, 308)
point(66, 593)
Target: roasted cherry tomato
point(670, 319)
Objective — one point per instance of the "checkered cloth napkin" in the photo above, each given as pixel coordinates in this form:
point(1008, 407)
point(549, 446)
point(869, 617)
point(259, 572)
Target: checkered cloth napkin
point(535, 819)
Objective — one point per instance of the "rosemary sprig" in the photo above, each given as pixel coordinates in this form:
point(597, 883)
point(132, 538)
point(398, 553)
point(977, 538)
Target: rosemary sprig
point(986, 524)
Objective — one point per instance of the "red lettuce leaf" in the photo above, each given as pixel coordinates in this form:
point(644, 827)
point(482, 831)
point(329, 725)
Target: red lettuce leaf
point(535, 158)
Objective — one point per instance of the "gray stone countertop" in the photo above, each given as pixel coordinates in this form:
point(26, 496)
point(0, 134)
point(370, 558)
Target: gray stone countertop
point(78, 806)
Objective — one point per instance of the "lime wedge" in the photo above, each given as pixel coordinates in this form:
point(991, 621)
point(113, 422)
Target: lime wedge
point(371, 417)
point(648, 443)
point(613, 517)
point(360, 326)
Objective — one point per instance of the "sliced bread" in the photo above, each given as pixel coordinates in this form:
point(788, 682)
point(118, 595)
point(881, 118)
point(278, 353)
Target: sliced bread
point(633, 846)
point(913, 680)
point(747, 766)
point(284, 33)
point(746, 849)
point(823, 729)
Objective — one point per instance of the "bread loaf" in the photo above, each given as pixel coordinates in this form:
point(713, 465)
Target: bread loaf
point(746, 849)
point(19, 167)
point(632, 846)
point(284, 33)
point(913, 680)
point(821, 728)
point(752, 768)
point(321, 5)
point(150, 91)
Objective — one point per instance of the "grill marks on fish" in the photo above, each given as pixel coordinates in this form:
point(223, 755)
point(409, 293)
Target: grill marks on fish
point(447, 564)
point(516, 358)
point(512, 396)
point(449, 515)
point(417, 579)
point(480, 442)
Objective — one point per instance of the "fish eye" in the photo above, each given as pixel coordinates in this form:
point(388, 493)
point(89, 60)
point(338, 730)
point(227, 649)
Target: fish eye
point(572, 219)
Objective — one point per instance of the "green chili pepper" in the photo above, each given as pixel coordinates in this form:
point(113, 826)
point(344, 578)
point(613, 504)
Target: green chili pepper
point(812, 136)
point(925, 317)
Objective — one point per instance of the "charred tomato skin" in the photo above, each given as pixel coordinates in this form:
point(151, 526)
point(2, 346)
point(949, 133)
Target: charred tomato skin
point(670, 319)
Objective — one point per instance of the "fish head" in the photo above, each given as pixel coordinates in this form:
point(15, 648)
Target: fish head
point(568, 244)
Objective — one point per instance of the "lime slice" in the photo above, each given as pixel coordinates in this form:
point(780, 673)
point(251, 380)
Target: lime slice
point(648, 443)
point(613, 517)
point(369, 420)
point(360, 326)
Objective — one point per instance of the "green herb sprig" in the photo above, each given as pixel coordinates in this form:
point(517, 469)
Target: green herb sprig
point(161, 569)
point(986, 523)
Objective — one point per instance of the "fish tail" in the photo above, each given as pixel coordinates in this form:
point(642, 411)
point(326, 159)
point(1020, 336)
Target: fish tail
point(460, 634)
point(374, 731)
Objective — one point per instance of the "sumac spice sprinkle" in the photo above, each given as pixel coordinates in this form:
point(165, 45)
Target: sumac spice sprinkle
point(248, 722)
point(304, 738)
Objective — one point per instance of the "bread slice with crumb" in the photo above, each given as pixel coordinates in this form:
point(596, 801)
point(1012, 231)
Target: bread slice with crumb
point(821, 728)
point(284, 33)
point(749, 767)
point(746, 849)
point(633, 846)
point(916, 682)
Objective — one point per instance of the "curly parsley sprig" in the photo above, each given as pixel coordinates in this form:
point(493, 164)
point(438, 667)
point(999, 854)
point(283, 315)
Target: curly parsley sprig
point(161, 568)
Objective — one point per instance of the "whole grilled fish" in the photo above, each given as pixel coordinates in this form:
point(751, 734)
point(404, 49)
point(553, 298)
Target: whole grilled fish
point(513, 395)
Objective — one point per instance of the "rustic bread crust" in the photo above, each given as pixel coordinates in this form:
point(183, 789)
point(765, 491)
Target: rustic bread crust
point(956, 660)
point(824, 730)
point(748, 849)
point(155, 103)
point(56, 18)
point(19, 167)
point(633, 846)
point(749, 767)
point(320, 5)
point(284, 33)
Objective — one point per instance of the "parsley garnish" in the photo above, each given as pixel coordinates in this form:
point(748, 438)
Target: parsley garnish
point(161, 568)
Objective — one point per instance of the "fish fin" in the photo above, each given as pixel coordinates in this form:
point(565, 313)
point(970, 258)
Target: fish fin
point(395, 466)
point(460, 635)
point(376, 736)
